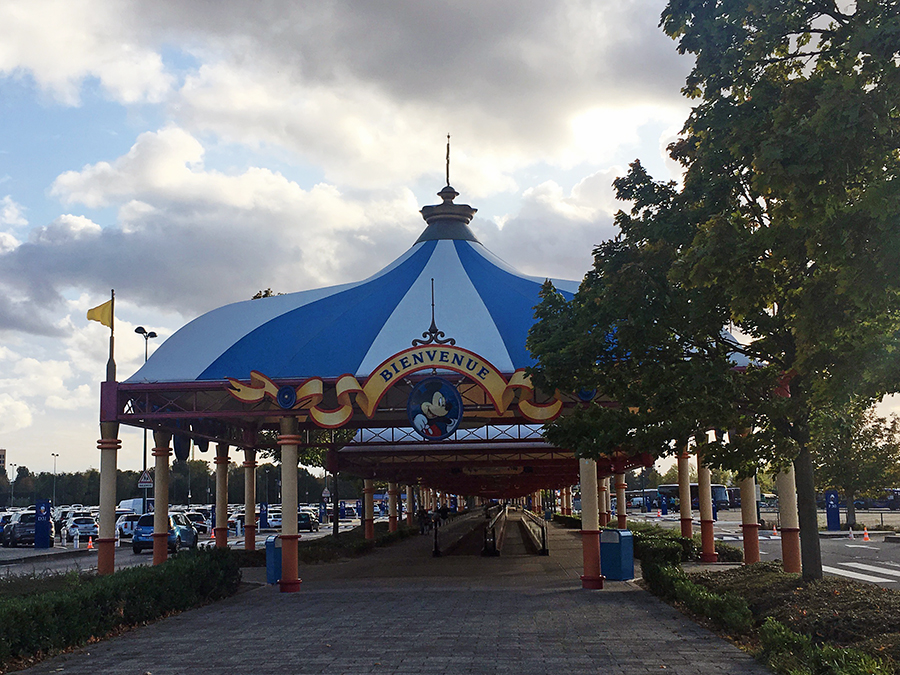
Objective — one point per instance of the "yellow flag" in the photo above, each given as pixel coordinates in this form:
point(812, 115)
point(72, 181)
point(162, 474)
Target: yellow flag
point(102, 313)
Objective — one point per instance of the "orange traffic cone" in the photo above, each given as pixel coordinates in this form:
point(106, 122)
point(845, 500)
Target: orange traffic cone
point(774, 531)
point(90, 543)
point(659, 513)
point(866, 534)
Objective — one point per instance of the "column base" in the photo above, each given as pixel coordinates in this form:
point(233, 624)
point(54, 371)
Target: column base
point(106, 556)
point(392, 524)
point(250, 537)
point(790, 550)
point(160, 547)
point(290, 578)
point(590, 546)
point(751, 542)
point(622, 522)
point(221, 537)
point(592, 583)
point(289, 585)
point(707, 537)
point(370, 528)
point(687, 527)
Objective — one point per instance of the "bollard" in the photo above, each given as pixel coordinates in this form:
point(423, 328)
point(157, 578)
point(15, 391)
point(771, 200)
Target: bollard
point(76, 538)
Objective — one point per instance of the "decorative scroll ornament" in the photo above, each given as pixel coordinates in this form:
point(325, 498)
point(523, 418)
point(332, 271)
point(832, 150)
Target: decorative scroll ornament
point(433, 335)
point(479, 370)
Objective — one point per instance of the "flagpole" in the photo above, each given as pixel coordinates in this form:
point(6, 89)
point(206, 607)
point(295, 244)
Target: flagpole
point(111, 364)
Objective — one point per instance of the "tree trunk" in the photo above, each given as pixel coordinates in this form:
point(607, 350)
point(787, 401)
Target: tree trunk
point(850, 496)
point(810, 553)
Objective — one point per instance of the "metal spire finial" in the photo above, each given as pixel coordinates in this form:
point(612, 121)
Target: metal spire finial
point(448, 159)
point(433, 335)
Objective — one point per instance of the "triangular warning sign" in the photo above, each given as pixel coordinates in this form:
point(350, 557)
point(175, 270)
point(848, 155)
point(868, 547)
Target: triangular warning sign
point(145, 481)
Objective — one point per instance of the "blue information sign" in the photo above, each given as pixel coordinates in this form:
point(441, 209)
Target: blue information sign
point(832, 511)
point(42, 524)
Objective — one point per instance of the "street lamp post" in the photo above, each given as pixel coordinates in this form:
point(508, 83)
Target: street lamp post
point(140, 330)
point(12, 485)
point(54, 455)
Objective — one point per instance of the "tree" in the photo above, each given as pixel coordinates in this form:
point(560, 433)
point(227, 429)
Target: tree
point(857, 453)
point(785, 228)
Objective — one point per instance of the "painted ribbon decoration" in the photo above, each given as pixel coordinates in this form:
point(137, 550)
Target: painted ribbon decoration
point(368, 395)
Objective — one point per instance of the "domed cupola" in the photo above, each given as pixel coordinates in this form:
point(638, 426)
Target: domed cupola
point(448, 220)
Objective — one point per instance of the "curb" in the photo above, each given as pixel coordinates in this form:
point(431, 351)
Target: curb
point(75, 553)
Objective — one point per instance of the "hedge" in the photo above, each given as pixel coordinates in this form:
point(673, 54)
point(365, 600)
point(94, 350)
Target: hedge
point(94, 606)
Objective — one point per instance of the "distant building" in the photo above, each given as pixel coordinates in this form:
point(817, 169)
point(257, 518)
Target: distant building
point(3, 460)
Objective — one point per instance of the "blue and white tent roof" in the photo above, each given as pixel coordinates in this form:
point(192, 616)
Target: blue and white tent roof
point(480, 301)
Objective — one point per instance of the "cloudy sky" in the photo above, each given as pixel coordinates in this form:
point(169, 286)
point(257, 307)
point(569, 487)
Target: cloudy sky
point(190, 154)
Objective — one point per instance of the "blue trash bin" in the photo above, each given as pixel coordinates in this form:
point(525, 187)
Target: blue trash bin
point(273, 559)
point(616, 555)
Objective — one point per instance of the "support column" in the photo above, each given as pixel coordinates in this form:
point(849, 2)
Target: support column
point(250, 499)
point(684, 494)
point(567, 501)
point(369, 508)
point(221, 529)
point(749, 522)
point(161, 452)
point(590, 525)
point(704, 495)
point(602, 497)
point(786, 486)
point(108, 445)
point(621, 503)
point(393, 493)
point(410, 506)
point(288, 440)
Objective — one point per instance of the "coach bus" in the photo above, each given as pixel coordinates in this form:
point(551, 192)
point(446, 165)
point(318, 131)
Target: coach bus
point(719, 494)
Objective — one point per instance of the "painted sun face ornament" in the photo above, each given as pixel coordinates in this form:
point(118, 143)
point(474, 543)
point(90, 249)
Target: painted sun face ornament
point(434, 409)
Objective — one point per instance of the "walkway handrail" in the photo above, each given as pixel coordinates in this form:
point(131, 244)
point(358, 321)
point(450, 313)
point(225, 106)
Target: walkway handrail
point(491, 539)
point(537, 528)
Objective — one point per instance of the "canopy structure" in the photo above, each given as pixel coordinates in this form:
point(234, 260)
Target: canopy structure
point(351, 356)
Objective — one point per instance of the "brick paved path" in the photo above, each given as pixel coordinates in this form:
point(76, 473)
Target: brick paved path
point(399, 610)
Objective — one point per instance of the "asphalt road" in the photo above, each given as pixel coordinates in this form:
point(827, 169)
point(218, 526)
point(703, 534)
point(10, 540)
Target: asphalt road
point(27, 561)
point(874, 561)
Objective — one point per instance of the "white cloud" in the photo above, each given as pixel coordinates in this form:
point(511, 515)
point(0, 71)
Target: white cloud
point(63, 42)
point(8, 242)
point(11, 212)
point(64, 229)
point(14, 414)
point(554, 232)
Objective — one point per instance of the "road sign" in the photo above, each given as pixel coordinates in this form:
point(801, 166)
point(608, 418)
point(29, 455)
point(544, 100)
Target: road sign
point(145, 482)
point(326, 493)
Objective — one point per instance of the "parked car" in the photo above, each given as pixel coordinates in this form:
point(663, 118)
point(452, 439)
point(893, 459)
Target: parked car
point(83, 526)
point(125, 524)
point(201, 524)
point(305, 521)
point(4, 521)
point(181, 533)
point(274, 518)
point(19, 529)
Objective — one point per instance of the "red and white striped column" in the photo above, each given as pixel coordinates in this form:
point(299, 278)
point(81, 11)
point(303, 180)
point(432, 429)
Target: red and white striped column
point(108, 445)
point(161, 452)
point(221, 529)
point(288, 440)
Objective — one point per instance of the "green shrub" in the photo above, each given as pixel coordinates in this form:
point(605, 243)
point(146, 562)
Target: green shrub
point(570, 522)
point(662, 579)
point(93, 606)
point(729, 553)
point(790, 653)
